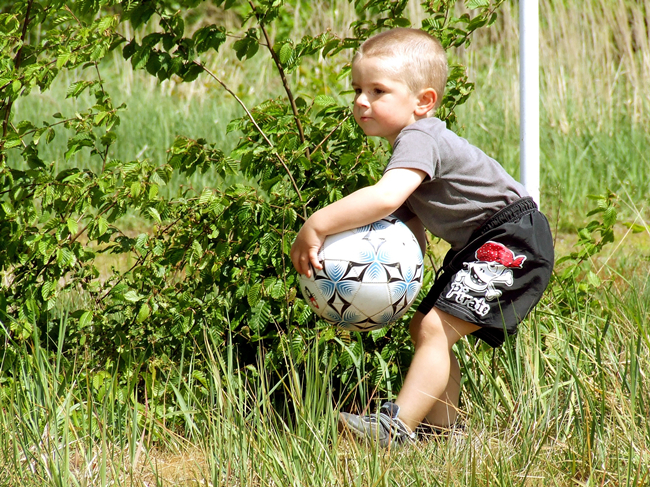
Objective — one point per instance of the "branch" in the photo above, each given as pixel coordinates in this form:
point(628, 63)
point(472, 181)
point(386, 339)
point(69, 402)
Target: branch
point(285, 83)
point(330, 134)
point(17, 62)
point(259, 129)
point(72, 240)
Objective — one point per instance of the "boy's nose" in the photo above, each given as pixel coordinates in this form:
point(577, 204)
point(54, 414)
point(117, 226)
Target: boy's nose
point(362, 100)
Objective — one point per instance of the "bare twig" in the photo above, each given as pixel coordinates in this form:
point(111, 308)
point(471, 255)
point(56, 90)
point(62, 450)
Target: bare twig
point(234, 95)
point(259, 129)
point(73, 15)
point(330, 134)
point(285, 83)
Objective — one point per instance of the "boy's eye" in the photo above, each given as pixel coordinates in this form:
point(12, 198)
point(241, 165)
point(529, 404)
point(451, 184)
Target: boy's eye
point(378, 91)
point(357, 91)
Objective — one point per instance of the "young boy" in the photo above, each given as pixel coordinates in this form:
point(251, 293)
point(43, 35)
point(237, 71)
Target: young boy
point(501, 253)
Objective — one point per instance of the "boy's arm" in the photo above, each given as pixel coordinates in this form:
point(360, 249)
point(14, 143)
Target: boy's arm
point(362, 207)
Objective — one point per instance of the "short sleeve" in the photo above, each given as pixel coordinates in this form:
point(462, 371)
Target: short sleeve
point(415, 149)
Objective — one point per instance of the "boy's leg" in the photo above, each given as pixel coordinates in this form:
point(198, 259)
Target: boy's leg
point(444, 411)
point(431, 386)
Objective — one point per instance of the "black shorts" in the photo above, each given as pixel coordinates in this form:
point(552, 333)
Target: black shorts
point(500, 275)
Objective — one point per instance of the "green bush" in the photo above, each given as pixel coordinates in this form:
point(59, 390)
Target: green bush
point(211, 262)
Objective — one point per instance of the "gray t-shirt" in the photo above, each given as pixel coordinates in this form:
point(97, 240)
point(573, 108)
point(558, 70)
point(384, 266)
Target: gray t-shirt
point(464, 186)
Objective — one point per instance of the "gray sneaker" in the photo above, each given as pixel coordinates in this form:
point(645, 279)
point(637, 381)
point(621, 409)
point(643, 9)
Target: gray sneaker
point(384, 427)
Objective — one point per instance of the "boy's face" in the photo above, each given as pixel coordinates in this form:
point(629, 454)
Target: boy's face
point(383, 103)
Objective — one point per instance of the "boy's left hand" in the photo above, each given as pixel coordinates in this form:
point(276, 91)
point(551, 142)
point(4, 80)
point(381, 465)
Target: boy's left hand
point(305, 249)
point(362, 207)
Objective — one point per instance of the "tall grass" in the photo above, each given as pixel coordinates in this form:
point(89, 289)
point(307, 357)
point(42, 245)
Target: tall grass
point(566, 403)
point(594, 106)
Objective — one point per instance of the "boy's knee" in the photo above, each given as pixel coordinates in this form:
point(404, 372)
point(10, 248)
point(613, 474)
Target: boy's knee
point(426, 327)
point(440, 327)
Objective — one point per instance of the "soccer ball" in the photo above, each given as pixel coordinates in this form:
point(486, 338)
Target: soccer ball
point(371, 275)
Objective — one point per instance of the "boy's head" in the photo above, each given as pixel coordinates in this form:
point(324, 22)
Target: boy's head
point(416, 58)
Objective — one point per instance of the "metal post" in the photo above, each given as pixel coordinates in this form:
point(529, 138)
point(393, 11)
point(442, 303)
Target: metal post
point(529, 95)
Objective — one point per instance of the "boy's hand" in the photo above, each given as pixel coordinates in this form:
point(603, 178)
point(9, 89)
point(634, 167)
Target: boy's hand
point(305, 249)
point(362, 207)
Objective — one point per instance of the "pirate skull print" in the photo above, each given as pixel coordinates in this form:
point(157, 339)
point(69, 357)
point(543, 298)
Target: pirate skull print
point(493, 268)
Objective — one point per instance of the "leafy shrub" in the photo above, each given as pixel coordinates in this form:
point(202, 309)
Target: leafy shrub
point(209, 263)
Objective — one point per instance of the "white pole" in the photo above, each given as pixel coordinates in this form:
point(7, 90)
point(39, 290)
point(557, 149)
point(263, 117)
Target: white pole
point(529, 95)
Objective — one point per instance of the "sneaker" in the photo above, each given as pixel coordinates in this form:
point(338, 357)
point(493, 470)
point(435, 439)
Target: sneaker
point(385, 427)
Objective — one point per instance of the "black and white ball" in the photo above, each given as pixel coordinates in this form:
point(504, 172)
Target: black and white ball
point(371, 275)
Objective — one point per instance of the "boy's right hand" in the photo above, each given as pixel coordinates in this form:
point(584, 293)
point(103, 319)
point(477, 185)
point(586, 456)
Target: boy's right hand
point(305, 249)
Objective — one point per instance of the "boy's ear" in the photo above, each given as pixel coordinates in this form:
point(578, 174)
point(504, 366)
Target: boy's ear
point(426, 101)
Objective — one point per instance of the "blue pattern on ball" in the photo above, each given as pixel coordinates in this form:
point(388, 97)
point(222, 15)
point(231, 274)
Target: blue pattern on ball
point(384, 252)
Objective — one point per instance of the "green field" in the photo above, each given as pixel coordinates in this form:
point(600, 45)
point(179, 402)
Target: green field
point(565, 404)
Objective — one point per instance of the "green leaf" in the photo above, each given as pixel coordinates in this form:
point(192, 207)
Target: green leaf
point(132, 296)
point(45, 247)
point(9, 24)
point(332, 47)
point(190, 72)
point(76, 89)
point(141, 243)
point(49, 136)
point(254, 294)
point(154, 214)
point(12, 140)
point(78, 142)
point(609, 217)
point(209, 37)
point(636, 228)
point(248, 46)
point(161, 175)
point(197, 250)
point(64, 257)
point(37, 135)
point(141, 13)
point(401, 22)
point(324, 101)
point(135, 189)
point(102, 226)
point(143, 314)
point(474, 4)
point(47, 289)
point(261, 316)
point(73, 226)
point(564, 259)
point(140, 58)
point(593, 279)
point(130, 49)
point(100, 379)
point(107, 23)
point(275, 288)
point(99, 117)
point(287, 53)
point(86, 319)
point(62, 59)
point(206, 196)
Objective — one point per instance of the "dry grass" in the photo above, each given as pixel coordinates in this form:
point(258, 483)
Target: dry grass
point(588, 51)
point(187, 468)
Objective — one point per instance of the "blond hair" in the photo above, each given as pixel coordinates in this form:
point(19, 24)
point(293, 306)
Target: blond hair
point(424, 61)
